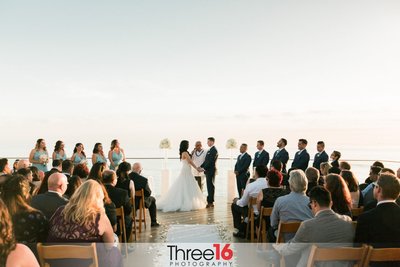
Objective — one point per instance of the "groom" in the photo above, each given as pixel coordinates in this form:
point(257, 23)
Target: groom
point(209, 169)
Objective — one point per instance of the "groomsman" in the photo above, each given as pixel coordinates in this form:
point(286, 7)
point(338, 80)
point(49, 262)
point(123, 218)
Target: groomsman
point(209, 167)
point(281, 154)
point(321, 156)
point(261, 157)
point(301, 157)
point(242, 168)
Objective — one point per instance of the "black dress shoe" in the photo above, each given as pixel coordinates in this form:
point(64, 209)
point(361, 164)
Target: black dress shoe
point(239, 234)
point(210, 205)
point(155, 224)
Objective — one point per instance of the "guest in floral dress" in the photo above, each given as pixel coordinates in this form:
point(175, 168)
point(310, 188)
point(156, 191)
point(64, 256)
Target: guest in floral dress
point(84, 220)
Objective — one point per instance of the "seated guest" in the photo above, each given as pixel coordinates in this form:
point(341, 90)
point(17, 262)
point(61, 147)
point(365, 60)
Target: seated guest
point(239, 206)
point(73, 183)
point(96, 172)
point(140, 183)
point(30, 225)
point(324, 168)
point(12, 253)
point(57, 164)
point(67, 167)
point(335, 156)
point(82, 171)
point(312, 175)
point(344, 165)
point(22, 163)
point(379, 227)
point(49, 202)
point(341, 198)
point(352, 184)
point(119, 197)
point(4, 167)
point(84, 220)
point(268, 196)
point(44, 184)
point(15, 165)
point(124, 182)
point(368, 189)
point(326, 227)
point(36, 176)
point(27, 173)
point(375, 171)
point(292, 207)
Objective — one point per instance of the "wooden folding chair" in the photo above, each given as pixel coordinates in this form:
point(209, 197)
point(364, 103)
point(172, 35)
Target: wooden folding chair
point(382, 255)
point(262, 228)
point(318, 254)
point(134, 227)
point(122, 230)
point(142, 209)
point(251, 218)
point(355, 212)
point(286, 228)
point(54, 252)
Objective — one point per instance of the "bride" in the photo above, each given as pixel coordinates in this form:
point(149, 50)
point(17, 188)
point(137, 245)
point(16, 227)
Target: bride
point(184, 194)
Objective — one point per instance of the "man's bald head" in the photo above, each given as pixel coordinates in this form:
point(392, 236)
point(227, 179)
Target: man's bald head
point(22, 164)
point(58, 182)
point(137, 167)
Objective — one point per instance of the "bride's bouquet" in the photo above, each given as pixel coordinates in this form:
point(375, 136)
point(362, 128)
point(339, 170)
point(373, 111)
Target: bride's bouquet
point(165, 144)
point(231, 143)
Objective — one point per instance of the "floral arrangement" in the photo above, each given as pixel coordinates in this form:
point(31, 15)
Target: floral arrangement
point(165, 144)
point(44, 158)
point(231, 143)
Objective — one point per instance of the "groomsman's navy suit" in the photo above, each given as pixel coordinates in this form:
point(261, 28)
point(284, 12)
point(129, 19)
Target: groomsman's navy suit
point(242, 167)
point(319, 158)
point(282, 156)
point(209, 166)
point(261, 158)
point(301, 160)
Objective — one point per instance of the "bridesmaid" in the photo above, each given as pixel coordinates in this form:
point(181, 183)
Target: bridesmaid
point(116, 154)
point(98, 154)
point(39, 156)
point(78, 155)
point(59, 152)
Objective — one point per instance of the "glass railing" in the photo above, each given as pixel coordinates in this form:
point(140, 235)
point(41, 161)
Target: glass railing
point(152, 169)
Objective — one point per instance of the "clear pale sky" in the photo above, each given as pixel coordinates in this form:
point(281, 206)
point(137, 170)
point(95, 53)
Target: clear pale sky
point(140, 71)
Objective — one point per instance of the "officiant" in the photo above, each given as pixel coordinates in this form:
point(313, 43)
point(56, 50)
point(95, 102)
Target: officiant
point(198, 157)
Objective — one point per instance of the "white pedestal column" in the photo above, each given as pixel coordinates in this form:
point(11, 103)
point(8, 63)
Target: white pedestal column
point(231, 183)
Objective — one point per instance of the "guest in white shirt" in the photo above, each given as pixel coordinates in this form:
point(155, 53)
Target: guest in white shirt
point(239, 206)
point(198, 157)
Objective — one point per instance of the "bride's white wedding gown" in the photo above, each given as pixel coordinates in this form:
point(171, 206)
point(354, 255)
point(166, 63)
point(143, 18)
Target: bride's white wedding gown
point(184, 194)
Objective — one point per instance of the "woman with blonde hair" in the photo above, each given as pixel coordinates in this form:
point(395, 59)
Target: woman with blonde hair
point(116, 155)
point(12, 253)
point(84, 219)
point(39, 156)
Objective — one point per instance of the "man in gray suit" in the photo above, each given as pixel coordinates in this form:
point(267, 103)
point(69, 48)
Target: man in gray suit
point(326, 227)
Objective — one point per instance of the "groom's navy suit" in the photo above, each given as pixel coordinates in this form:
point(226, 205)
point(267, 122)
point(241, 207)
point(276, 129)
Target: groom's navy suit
point(209, 166)
point(261, 158)
point(242, 169)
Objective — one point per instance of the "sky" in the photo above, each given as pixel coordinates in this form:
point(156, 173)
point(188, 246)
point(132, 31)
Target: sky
point(141, 71)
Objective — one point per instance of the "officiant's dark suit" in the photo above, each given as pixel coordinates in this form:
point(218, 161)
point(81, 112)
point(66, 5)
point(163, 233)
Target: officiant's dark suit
point(261, 158)
point(209, 166)
point(242, 169)
point(149, 201)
